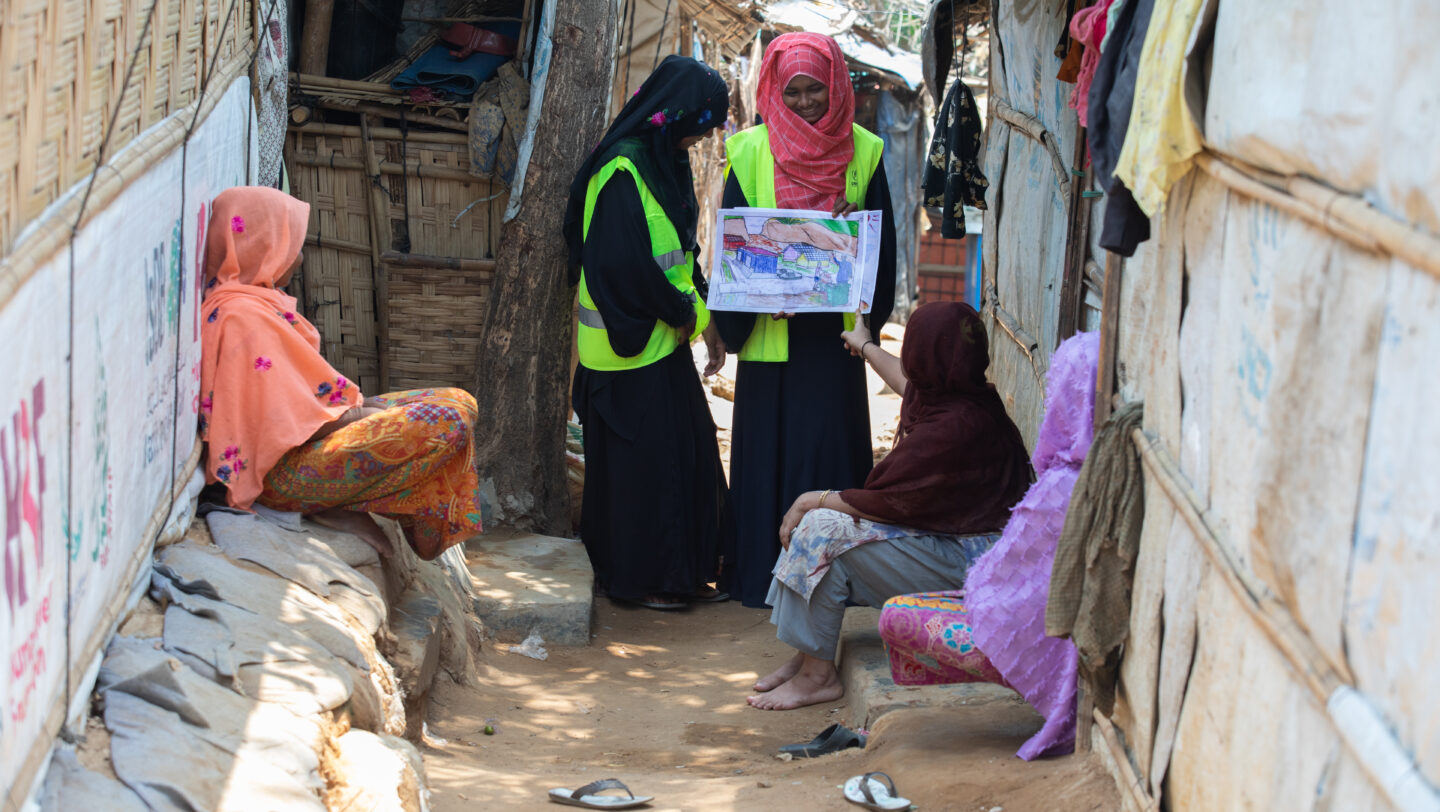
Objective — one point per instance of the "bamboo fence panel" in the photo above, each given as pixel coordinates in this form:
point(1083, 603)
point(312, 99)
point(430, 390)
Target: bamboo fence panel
point(442, 227)
point(62, 68)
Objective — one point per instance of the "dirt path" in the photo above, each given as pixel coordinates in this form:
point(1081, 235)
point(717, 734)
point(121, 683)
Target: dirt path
point(658, 701)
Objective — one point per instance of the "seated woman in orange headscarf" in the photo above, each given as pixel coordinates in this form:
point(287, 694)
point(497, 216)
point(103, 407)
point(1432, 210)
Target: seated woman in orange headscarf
point(288, 431)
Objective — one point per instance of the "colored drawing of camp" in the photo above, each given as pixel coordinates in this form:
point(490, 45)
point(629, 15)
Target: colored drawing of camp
point(772, 260)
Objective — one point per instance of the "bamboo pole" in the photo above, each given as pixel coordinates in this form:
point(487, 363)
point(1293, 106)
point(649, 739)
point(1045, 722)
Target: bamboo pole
point(1363, 731)
point(315, 36)
point(1344, 215)
point(393, 168)
point(379, 224)
point(1031, 126)
point(337, 244)
point(1120, 767)
point(1026, 342)
point(440, 263)
point(397, 112)
point(387, 133)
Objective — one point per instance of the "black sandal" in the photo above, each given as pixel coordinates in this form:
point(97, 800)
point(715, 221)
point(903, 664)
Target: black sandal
point(832, 739)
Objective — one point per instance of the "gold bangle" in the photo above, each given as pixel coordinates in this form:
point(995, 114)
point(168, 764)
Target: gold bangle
point(823, 494)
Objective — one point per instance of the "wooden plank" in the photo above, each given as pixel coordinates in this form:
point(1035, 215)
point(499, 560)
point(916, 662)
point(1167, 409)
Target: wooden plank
point(1109, 324)
point(379, 240)
point(1077, 247)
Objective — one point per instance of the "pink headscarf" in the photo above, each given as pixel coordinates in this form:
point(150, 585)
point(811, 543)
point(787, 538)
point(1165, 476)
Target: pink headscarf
point(810, 161)
point(266, 387)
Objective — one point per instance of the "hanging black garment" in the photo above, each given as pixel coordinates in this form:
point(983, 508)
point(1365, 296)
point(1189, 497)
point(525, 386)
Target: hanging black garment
point(1112, 94)
point(953, 178)
point(800, 425)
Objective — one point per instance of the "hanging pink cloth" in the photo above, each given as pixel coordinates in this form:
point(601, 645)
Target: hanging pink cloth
point(1087, 26)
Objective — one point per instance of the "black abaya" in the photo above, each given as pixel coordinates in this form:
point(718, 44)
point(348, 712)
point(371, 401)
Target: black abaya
point(800, 425)
point(655, 515)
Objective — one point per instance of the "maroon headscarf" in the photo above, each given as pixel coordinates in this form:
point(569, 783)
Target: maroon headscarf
point(959, 464)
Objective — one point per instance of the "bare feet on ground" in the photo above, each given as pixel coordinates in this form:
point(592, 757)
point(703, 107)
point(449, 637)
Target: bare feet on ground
point(781, 675)
point(359, 524)
point(816, 681)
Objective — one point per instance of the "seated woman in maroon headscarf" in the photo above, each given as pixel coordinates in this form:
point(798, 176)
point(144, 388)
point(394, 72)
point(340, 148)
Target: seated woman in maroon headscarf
point(925, 514)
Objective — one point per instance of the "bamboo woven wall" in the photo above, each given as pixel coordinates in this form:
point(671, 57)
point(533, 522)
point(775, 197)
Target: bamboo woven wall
point(428, 309)
point(62, 67)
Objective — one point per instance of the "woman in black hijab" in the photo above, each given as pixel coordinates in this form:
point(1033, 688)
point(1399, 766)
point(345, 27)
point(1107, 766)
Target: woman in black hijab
point(655, 518)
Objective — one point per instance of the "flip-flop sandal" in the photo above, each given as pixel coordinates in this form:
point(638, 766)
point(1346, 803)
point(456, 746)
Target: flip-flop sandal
point(663, 606)
point(712, 596)
point(832, 739)
point(868, 791)
point(589, 796)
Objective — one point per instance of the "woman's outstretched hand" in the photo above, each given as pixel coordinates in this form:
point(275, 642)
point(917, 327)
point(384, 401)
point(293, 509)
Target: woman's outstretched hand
point(856, 339)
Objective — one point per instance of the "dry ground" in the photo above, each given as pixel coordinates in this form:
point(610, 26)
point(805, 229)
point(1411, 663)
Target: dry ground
point(658, 701)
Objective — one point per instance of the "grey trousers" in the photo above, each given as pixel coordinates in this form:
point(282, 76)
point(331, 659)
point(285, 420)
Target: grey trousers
point(869, 575)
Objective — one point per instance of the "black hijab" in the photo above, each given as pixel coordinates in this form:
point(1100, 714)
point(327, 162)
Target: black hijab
point(681, 98)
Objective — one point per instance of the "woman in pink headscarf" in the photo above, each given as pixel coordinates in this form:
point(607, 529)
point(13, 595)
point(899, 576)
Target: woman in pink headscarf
point(802, 419)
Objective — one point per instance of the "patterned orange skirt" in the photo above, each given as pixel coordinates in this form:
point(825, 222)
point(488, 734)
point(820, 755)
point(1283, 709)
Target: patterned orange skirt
point(414, 462)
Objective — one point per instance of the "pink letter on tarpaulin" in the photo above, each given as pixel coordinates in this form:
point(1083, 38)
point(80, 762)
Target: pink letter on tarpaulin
point(23, 503)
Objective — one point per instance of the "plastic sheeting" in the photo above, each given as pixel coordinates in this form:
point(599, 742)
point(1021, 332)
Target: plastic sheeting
point(906, 134)
point(1359, 113)
point(89, 471)
point(1026, 222)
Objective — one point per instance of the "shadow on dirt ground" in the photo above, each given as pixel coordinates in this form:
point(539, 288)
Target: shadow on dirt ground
point(658, 701)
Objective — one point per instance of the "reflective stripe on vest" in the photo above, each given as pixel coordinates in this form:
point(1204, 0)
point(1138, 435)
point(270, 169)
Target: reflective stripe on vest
point(591, 337)
point(747, 154)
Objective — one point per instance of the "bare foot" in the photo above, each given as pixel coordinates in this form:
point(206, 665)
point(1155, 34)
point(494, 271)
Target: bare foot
point(359, 524)
point(781, 675)
point(817, 681)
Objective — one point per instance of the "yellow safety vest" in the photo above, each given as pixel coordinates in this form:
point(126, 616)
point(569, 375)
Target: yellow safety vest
point(747, 154)
point(592, 338)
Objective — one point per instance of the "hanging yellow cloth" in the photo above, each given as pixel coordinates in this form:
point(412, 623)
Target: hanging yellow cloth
point(1162, 139)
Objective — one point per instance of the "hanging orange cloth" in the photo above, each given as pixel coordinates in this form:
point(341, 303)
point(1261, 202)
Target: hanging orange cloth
point(266, 388)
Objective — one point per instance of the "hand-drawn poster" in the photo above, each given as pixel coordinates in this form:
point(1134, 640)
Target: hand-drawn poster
point(772, 260)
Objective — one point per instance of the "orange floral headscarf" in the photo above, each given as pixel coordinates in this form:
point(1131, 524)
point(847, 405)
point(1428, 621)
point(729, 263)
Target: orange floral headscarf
point(265, 387)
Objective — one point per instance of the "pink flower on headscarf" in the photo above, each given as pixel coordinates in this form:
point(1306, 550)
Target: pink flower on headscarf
point(237, 224)
point(262, 363)
point(658, 119)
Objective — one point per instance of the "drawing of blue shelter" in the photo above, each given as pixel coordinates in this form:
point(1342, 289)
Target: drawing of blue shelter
point(760, 255)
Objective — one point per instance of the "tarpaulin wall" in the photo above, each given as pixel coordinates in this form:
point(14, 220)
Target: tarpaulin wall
point(1282, 332)
point(1028, 126)
point(99, 395)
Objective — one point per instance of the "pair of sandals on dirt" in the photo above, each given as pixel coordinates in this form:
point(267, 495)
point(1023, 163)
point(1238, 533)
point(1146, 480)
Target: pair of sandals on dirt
point(866, 790)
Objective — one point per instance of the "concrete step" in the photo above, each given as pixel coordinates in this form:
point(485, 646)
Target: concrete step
point(871, 693)
point(525, 582)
